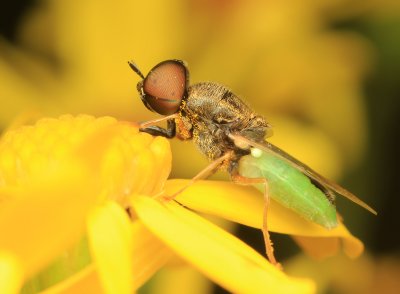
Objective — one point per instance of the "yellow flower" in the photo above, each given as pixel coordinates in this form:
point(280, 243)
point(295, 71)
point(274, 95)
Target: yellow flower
point(54, 175)
point(288, 60)
point(62, 179)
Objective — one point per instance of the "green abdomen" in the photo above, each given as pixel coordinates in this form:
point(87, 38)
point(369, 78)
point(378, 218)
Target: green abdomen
point(290, 188)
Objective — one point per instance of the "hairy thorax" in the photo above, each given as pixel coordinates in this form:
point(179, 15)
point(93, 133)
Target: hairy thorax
point(212, 112)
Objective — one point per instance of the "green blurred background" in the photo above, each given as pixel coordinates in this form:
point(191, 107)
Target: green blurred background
point(326, 75)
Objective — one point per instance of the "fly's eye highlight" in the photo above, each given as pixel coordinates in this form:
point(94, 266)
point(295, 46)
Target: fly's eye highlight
point(165, 86)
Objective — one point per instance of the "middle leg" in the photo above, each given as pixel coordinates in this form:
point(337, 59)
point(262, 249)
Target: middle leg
point(205, 173)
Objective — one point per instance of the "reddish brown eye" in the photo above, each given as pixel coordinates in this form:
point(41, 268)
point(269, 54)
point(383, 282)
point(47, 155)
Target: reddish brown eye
point(165, 86)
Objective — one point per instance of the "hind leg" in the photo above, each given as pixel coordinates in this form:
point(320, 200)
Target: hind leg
point(267, 239)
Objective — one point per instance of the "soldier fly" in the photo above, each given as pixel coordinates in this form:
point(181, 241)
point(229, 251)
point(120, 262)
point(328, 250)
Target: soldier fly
point(233, 137)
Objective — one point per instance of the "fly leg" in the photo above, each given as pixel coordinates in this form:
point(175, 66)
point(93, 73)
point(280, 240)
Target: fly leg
point(236, 178)
point(204, 174)
point(150, 127)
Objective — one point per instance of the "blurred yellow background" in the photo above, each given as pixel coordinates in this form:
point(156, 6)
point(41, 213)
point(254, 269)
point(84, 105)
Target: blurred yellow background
point(324, 73)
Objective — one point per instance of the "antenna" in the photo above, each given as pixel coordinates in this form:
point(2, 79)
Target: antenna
point(134, 67)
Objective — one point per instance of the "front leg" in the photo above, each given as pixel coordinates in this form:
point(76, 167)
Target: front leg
point(169, 132)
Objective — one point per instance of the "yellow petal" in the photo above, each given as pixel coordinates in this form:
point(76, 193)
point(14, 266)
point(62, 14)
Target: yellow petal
point(219, 255)
point(46, 188)
point(11, 273)
point(26, 151)
point(162, 162)
point(323, 247)
point(133, 162)
point(110, 241)
point(38, 222)
point(58, 169)
point(85, 281)
point(245, 205)
point(149, 254)
point(180, 279)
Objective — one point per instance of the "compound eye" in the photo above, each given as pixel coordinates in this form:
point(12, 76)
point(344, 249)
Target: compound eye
point(165, 86)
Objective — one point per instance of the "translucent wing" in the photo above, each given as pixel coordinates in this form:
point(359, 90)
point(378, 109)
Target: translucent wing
point(272, 149)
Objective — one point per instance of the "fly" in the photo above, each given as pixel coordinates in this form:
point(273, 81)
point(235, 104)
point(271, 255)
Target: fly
point(233, 137)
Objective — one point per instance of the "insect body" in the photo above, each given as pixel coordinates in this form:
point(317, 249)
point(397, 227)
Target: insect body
point(226, 130)
point(291, 188)
point(211, 113)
